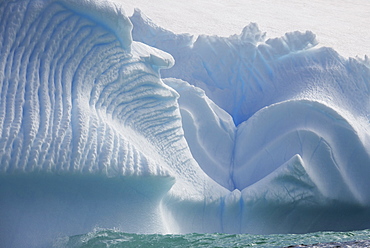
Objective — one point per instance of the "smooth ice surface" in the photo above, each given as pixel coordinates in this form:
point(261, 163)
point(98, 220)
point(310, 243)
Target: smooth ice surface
point(209, 131)
point(243, 134)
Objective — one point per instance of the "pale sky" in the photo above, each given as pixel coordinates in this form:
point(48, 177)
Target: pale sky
point(343, 25)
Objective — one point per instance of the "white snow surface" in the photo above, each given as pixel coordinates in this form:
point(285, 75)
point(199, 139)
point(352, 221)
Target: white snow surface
point(111, 121)
point(341, 24)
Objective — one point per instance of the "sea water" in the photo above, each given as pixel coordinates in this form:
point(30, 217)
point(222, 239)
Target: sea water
point(114, 238)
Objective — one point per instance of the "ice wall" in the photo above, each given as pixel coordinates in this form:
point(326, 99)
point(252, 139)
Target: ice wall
point(81, 103)
point(277, 139)
point(299, 157)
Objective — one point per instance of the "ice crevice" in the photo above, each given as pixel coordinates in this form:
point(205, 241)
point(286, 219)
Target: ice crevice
point(100, 127)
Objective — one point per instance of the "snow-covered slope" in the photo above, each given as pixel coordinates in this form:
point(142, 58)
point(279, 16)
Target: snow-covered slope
point(277, 139)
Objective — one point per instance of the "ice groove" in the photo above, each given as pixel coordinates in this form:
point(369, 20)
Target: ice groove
point(57, 95)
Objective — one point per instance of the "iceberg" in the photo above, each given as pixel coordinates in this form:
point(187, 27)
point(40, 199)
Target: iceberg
point(109, 121)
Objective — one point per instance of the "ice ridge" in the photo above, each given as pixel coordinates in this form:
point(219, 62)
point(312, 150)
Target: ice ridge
point(244, 73)
point(68, 85)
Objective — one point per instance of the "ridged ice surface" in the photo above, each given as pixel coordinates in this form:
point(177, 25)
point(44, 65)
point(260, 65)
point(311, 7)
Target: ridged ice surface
point(73, 98)
point(243, 135)
point(79, 99)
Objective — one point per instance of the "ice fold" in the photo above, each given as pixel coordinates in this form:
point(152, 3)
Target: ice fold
point(289, 99)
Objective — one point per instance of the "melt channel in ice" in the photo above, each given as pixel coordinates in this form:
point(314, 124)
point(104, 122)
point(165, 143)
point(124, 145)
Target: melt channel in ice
point(92, 135)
